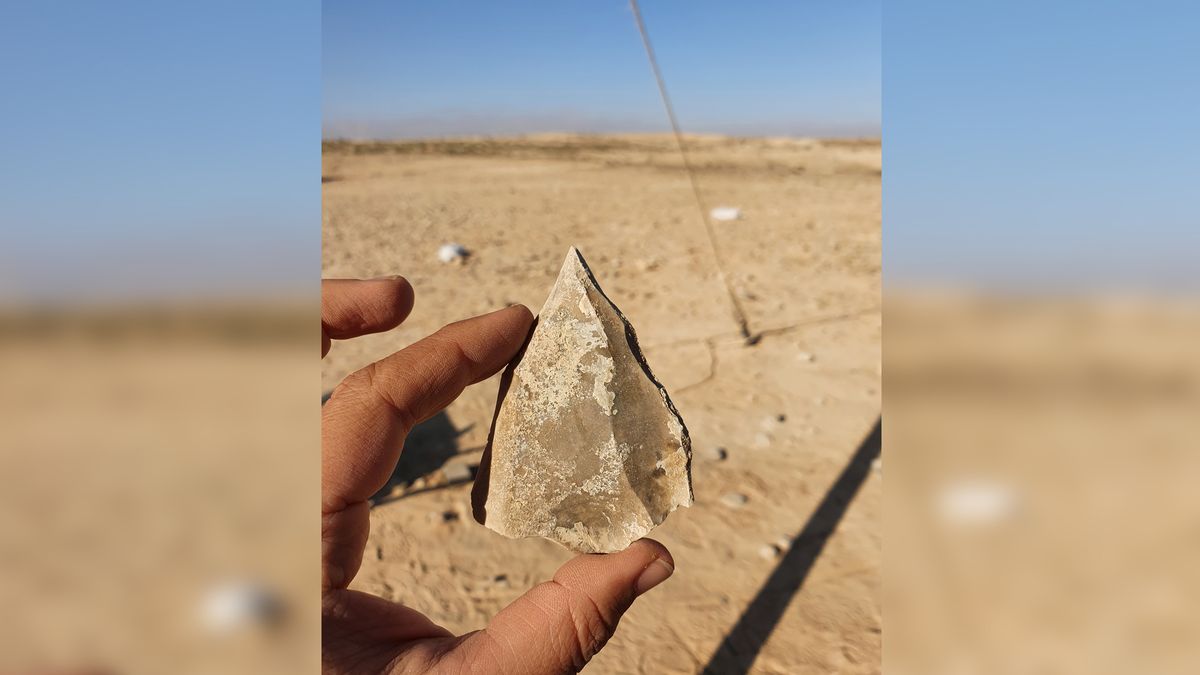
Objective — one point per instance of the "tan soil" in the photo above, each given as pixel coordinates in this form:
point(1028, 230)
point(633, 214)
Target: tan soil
point(804, 260)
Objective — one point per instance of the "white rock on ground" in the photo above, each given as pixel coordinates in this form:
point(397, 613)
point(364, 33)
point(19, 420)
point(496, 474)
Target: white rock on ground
point(769, 551)
point(452, 252)
point(238, 606)
point(735, 500)
point(726, 213)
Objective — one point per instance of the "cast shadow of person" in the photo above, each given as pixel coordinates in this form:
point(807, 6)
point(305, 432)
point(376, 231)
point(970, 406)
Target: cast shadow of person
point(740, 648)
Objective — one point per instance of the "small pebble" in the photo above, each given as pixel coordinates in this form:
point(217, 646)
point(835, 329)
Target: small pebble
point(239, 606)
point(715, 454)
point(807, 357)
point(725, 213)
point(762, 440)
point(976, 502)
point(770, 423)
point(770, 551)
point(735, 500)
point(877, 465)
point(449, 516)
point(452, 252)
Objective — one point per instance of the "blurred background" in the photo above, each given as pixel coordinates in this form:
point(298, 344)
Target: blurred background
point(159, 248)
point(159, 255)
point(467, 147)
point(1041, 374)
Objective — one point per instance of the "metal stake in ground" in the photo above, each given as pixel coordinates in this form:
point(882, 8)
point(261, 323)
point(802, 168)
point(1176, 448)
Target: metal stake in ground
point(738, 314)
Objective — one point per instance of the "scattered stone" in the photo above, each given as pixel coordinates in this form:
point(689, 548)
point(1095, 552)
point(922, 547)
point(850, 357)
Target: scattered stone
point(735, 500)
point(770, 551)
point(586, 448)
point(239, 606)
point(762, 440)
point(807, 357)
point(452, 253)
point(726, 213)
point(772, 422)
point(977, 502)
point(450, 516)
point(715, 454)
point(877, 465)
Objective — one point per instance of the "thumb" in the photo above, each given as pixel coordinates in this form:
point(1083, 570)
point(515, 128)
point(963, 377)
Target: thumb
point(558, 625)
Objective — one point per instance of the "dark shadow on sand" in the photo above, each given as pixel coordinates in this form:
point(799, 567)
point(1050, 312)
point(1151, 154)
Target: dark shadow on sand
point(427, 448)
point(741, 646)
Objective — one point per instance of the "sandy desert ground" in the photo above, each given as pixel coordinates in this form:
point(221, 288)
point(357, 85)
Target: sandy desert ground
point(1041, 506)
point(789, 581)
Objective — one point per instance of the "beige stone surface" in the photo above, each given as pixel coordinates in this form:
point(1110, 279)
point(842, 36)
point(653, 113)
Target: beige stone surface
point(586, 448)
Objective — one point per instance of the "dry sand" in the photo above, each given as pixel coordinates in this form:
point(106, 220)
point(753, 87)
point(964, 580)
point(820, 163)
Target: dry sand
point(1041, 508)
point(791, 411)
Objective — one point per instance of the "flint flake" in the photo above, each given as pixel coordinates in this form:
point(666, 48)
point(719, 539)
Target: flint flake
point(586, 448)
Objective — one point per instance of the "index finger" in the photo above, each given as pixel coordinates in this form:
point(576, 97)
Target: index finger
point(354, 307)
point(367, 417)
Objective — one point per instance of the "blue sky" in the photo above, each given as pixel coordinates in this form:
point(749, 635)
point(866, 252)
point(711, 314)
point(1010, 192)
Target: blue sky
point(1042, 145)
point(396, 69)
point(158, 148)
point(155, 148)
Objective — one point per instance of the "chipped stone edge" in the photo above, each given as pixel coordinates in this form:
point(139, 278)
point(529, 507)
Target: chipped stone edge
point(631, 338)
point(479, 490)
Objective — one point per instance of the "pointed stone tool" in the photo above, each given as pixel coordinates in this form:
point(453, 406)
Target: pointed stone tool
point(586, 447)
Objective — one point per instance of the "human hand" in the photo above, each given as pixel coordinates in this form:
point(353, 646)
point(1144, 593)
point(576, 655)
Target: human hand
point(555, 627)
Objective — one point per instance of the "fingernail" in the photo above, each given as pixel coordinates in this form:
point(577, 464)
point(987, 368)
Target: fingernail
point(655, 574)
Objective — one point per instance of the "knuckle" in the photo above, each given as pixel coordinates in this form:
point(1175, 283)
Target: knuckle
point(374, 384)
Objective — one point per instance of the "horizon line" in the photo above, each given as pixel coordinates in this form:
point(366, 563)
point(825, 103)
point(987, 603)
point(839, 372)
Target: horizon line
point(875, 136)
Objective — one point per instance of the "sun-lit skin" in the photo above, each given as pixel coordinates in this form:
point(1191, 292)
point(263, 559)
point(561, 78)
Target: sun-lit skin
point(554, 628)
